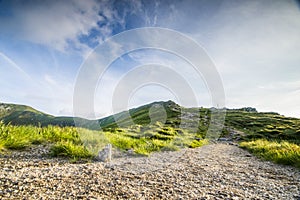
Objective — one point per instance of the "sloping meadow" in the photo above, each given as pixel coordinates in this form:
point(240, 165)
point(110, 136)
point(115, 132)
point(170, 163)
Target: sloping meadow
point(79, 143)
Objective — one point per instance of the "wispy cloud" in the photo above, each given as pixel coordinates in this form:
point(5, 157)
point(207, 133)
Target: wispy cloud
point(14, 65)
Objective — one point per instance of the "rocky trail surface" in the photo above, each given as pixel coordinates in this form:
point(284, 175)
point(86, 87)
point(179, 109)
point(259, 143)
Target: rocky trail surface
point(215, 171)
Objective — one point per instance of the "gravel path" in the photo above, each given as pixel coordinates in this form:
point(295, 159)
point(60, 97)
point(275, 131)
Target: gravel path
point(215, 171)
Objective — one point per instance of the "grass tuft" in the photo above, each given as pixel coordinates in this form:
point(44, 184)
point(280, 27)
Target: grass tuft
point(198, 143)
point(282, 152)
point(71, 150)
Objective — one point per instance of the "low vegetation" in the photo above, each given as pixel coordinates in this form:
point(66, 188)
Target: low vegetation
point(156, 137)
point(282, 152)
point(264, 125)
point(268, 135)
point(79, 143)
point(65, 141)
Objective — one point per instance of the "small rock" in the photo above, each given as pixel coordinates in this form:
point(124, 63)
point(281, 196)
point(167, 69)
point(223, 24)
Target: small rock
point(105, 154)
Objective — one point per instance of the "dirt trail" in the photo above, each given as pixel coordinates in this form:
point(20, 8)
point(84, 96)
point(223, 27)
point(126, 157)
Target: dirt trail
point(216, 171)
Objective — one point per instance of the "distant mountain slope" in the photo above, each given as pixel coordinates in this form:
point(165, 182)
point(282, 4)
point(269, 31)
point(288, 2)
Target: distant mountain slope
point(140, 115)
point(21, 114)
point(26, 115)
point(247, 122)
point(7, 109)
point(244, 123)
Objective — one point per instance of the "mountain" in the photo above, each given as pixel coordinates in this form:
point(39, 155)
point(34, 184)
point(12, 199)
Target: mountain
point(26, 115)
point(245, 122)
point(140, 115)
point(21, 114)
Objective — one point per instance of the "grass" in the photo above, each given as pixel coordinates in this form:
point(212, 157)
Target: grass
point(282, 152)
point(71, 150)
point(66, 141)
point(198, 143)
point(147, 139)
point(268, 135)
point(15, 137)
point(264, 125)
point(80, 143)
point(93, 140)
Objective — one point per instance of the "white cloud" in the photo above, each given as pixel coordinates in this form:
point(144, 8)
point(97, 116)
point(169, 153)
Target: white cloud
point(255, 45)
point(52, 94)
point(255, 35)
point(58, 24)
point(167, 82)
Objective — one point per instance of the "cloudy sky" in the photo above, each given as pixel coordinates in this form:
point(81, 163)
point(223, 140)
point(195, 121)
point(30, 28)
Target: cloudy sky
point(254, 45)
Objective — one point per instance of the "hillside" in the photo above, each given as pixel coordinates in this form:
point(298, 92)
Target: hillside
point(140, 115)
point(245, 122)
point(268, 125)
point(158, 126)
point(25, 115)
point(22, 115)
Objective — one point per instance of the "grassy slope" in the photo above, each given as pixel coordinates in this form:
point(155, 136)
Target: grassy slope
point(282, 152)
point(140, 115)
point(254, 124)
point(25, 115)
point(82, 143)
point(264, 125)
point(268, 135)
point(145, 138)
point(66, 140)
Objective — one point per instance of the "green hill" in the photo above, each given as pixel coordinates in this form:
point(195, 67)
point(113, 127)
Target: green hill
point(246, 121)
point(158, 126)
point(22, 115)
point(25, 115)
point(268, 125)
point(140, 115)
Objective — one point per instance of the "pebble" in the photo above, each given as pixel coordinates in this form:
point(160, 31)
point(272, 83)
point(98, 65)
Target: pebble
point(215, 171)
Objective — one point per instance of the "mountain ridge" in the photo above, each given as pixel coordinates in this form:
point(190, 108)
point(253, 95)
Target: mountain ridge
point(17, 114)
point(247, 120)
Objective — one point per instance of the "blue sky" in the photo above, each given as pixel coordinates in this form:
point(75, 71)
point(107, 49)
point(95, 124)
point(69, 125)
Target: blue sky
point(254, 45)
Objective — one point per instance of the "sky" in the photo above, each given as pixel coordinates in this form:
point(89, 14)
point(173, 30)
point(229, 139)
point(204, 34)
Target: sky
point(254, 46)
